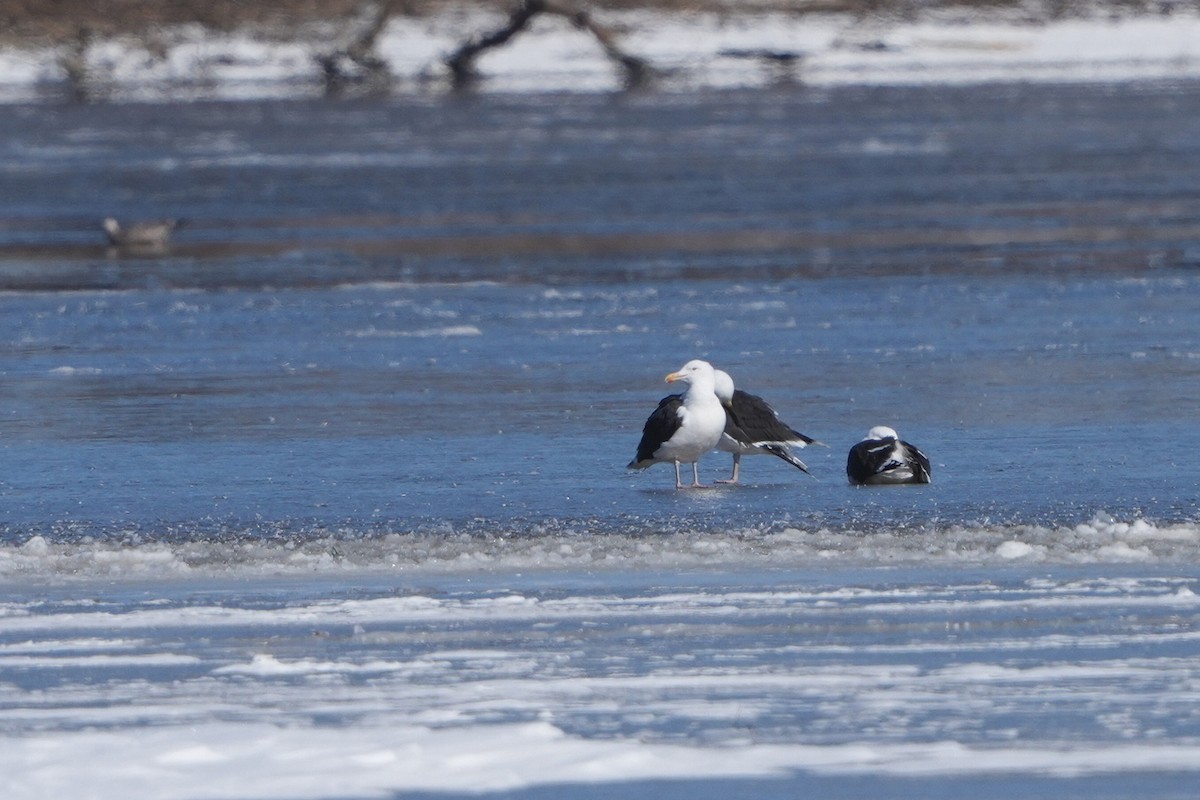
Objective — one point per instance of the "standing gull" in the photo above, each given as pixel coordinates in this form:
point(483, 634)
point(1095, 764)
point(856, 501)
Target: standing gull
point(884, 458)
point(684, 426)
point(754, 428)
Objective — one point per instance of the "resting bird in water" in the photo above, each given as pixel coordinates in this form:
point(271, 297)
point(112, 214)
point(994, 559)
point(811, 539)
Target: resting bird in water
point(147, 235)
point(754, 428)
point(884, 458)
point(684, 426)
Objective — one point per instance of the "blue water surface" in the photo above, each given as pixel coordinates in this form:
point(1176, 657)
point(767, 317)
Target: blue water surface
point(423, 314)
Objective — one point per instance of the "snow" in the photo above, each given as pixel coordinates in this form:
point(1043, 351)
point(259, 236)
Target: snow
point(260, 761)
point(1101, 540)
point(286, 690)
point(687, 51)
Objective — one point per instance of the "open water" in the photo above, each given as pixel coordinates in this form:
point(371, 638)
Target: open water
point(328, 498)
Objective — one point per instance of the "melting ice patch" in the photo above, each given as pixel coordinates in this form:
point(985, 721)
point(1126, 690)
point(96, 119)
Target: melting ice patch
point(567, 544)
point(67, 371)
point(419, 333)
point(288, 690)
point(231, 761)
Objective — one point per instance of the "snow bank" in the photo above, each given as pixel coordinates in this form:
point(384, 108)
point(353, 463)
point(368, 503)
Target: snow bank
point(687, 51)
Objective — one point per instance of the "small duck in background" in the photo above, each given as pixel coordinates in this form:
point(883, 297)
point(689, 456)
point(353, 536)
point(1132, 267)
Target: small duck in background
point(884, 458)
point(147, 235)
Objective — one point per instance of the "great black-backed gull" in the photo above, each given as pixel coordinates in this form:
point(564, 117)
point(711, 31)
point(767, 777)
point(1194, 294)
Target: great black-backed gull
point(149, 235)
point(684, 426)
point(883, 458)
point(754, 428)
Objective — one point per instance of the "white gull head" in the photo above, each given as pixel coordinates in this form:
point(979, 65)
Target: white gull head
point(698, 374)
point(723, 386)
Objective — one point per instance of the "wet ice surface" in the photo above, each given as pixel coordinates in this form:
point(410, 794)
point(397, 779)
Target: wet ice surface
point(329, 500)
point(612, 684)
point(383, 421)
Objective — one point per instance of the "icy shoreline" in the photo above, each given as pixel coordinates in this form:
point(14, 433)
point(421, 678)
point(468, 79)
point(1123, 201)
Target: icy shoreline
point(573, 550)
point(685, 52)
point(662, 685)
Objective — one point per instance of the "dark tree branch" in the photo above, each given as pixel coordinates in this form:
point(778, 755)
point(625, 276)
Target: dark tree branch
point(357, 62)
point(462, 62)
point(637, 70)
point(74, 64)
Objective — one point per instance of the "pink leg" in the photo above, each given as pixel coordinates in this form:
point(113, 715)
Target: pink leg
point(737, 463)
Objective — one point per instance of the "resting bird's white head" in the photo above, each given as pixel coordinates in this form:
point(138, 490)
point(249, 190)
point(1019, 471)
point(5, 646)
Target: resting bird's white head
point(723, 386)
point(880, 432)
point(695, 373)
